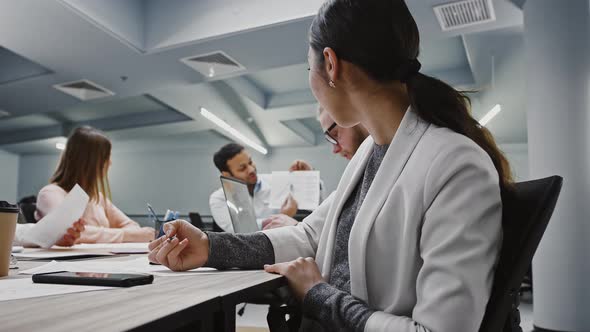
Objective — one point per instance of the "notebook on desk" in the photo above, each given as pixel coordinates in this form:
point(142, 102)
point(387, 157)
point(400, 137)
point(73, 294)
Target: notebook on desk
point(239, 205)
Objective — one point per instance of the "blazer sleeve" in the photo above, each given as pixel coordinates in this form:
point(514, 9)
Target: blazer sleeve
point(301, 240)
point(218, 207)
point(459, 246)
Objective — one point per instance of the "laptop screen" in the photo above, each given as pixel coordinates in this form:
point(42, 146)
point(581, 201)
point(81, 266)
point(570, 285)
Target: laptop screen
point(239, 205)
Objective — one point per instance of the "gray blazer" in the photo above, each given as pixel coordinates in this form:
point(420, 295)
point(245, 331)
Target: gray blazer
point(426, 239)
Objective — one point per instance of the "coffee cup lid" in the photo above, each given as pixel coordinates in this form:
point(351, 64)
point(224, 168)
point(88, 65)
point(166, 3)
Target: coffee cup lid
point(7, 207)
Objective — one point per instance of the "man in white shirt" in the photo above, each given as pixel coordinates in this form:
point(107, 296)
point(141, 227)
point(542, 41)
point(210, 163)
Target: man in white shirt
point(234, 161)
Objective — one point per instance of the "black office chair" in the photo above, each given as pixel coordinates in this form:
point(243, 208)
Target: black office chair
point(28, 206)
point(196, 220)
point(301, 214)
point(526, 212)
point(216, 227)
point(28, 212)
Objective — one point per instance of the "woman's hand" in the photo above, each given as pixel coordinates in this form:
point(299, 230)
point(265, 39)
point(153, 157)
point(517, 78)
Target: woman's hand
point(188, 249)
point(72, 234)
point(302, 274)
point(300, 165)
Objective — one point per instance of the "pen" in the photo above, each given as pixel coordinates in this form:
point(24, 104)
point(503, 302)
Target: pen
point(150, 210)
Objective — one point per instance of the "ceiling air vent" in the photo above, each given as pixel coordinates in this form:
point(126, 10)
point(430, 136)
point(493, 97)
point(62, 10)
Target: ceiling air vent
point(213, 65)
point(84, 90)
point(462, 14)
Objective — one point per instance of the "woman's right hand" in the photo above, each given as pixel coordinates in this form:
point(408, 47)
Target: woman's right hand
point(188, 249)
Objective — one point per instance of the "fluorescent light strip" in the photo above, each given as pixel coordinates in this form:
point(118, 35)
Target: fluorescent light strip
point(232, 131)
point(490, 115)
point(60, 146)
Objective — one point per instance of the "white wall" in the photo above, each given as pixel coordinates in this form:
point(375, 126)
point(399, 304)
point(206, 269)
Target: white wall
point(180, 179)
point(34, 173)
point(507, 88)
point(8, 176)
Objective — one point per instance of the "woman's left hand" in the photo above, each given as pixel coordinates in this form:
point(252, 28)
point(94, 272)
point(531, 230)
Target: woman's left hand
point(302, 274)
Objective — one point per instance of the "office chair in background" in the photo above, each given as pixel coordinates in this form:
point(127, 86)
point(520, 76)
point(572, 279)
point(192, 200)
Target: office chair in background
point(197, 221)
point(28, 205)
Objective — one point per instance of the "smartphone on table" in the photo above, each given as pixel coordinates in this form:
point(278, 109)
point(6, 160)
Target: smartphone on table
point(94, 279)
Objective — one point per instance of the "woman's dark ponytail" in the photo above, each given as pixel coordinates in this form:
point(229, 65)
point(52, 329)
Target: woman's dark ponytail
point(440, 104)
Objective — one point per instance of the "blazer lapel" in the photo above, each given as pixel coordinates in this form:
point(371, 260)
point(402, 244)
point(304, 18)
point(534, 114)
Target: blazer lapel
point(353, 173)
point(410, 132)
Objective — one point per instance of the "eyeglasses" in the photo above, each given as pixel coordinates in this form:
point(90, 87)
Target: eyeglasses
point(329, 137)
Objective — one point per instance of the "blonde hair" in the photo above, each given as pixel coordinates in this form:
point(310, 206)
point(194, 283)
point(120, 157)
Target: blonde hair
point(85, 161)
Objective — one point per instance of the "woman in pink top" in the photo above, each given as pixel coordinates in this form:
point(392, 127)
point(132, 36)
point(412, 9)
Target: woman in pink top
point(86, 161)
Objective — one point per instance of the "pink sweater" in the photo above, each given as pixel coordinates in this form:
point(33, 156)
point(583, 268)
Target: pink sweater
point(104, 222)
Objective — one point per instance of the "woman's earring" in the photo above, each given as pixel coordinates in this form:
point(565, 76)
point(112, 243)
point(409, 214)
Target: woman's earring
point(332, 84)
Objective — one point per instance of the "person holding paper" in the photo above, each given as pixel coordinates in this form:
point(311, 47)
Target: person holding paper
point(86, 161)
point(412, 238)
point(67, 240)
point(233, 160)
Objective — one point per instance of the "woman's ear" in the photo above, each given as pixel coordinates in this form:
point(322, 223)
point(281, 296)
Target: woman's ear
point(332, 64)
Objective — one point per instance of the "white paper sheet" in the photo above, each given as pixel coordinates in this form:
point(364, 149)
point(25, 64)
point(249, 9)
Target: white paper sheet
point(303, 185)
point(130, 245)
point(55, 224)
point(14, 289)
point(139, 265)
point(56, 254)
point(115, 248)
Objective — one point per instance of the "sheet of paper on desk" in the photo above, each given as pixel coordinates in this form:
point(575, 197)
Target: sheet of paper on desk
point(139, 265)
point(56, 223)
point(57, 254)
point(303, 185)
point(116, 248)
point(14, 289)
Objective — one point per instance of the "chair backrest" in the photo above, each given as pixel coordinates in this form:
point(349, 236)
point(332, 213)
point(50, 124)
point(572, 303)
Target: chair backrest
point(28, 211)
point(526, 211)
point(196, 220)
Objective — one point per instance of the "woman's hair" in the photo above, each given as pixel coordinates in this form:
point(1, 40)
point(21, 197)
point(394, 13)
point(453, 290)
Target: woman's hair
point(85, 161)
point(381, 37)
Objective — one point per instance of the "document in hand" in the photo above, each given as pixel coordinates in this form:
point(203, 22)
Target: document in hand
point(303, 185)
point(55, 224)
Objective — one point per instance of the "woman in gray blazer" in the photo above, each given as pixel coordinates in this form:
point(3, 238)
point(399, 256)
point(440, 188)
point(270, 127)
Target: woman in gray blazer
point(410, 238)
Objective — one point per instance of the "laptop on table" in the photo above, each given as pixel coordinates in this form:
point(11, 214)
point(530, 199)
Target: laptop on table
point(239, 205)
